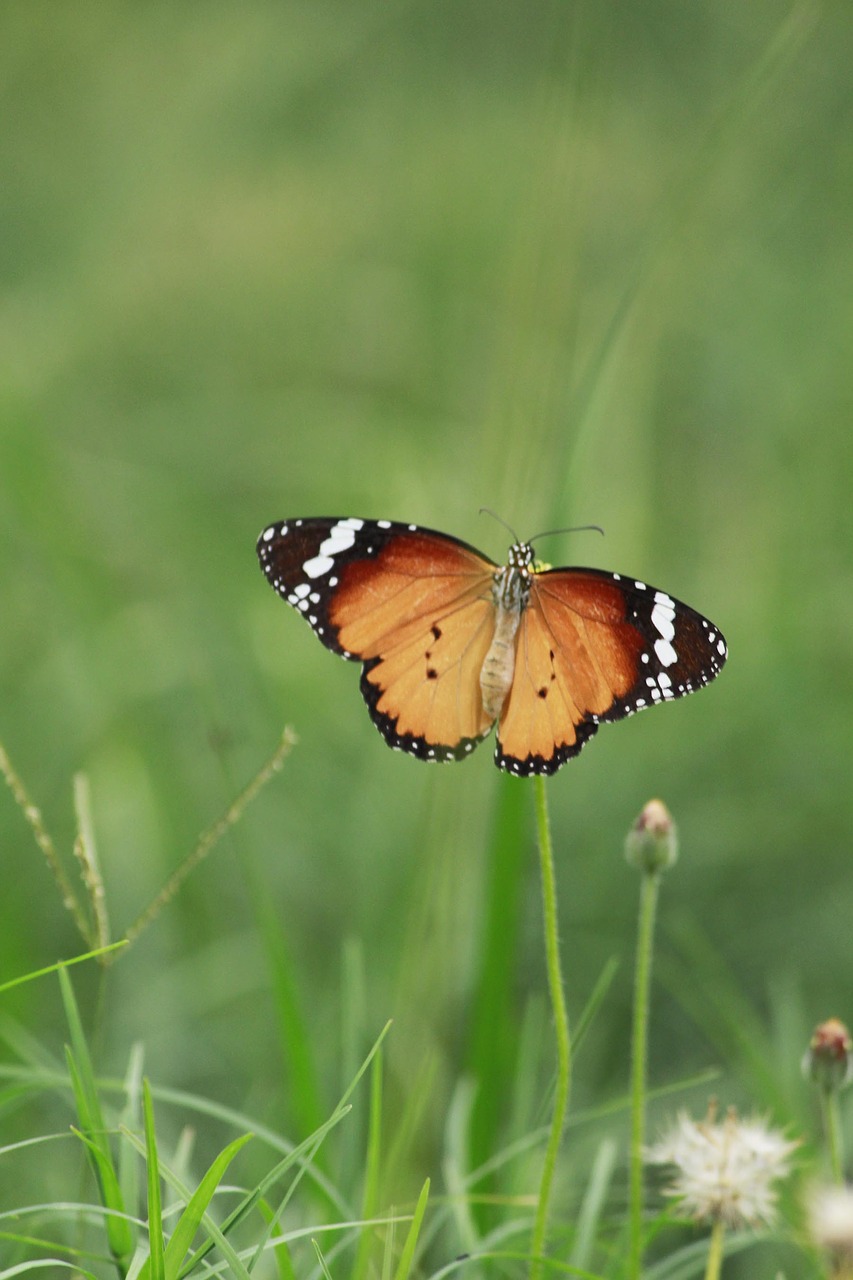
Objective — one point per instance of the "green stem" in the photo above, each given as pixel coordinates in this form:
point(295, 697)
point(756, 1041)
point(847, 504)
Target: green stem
point(561, 1026)
point(832, 1127)
point(649, 884)
point(715, 1251)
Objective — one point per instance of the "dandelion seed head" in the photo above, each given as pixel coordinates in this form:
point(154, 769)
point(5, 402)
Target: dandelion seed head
point(724, 1170)
point(830, 1217)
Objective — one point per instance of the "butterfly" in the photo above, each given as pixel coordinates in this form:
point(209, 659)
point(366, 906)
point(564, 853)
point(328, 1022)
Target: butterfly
point(451, 643)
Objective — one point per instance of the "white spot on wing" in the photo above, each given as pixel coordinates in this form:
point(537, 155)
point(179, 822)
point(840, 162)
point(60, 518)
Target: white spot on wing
point(665, 653)
point(316, 567)
point(663, 615)
point(341, 537)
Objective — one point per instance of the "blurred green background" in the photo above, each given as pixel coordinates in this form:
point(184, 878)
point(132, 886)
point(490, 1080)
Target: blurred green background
point(576, 262)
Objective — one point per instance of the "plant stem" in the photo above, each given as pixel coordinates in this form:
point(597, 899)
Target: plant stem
point(715, 1251)
point(561, 1025)
point(832, 1128)
point(649, 884)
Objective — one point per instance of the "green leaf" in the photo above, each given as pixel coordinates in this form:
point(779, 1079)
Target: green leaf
point(156, 1257)
point(409, 1247)
point(93, 1129)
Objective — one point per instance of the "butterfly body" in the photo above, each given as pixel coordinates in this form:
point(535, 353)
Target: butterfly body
point(511, 593)
point(452, 644)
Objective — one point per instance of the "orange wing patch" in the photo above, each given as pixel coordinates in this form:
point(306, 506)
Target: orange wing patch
point(573, 661)
point(597, 648)
point(541, 720)
point(428, 685)
point(422, 628)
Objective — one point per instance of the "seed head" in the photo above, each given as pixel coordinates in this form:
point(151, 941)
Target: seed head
point(830, 1218)
point(724, 1171)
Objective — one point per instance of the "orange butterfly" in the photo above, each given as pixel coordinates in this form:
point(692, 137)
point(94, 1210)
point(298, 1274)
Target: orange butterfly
point(452, 643)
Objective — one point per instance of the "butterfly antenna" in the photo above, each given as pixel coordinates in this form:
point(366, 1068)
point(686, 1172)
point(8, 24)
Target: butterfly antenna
point(576, 528)
point(487, 511)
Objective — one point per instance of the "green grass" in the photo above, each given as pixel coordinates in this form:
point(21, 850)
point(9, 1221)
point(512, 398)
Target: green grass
point(573, 262)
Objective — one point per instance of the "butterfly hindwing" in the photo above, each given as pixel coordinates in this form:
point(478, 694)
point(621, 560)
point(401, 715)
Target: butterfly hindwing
point(544, 721)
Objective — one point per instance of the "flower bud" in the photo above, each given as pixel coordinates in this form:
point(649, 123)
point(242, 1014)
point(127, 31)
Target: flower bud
point(652, 842)
point(829, 1060)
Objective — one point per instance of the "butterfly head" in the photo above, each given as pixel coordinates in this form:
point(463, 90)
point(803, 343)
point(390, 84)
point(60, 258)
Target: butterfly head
point(511, 589)
point(520, 556)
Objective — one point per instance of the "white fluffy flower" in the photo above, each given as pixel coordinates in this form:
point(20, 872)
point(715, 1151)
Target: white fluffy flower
point(831, 1220)
point(724, 1171)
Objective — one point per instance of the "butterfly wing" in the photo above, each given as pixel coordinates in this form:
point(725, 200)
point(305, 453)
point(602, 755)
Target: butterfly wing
point(594, 647)
point(413, 605)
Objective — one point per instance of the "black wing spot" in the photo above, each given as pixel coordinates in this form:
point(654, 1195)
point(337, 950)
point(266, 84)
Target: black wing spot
point(432, 674)
point(436, 631)
point(543, 693)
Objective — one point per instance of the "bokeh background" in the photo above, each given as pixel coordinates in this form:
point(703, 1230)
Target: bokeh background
point(574, 261)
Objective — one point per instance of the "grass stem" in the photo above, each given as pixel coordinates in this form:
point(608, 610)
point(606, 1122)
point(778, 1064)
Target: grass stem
point(561, 1026)
point(832, 1129)
point(649, 885)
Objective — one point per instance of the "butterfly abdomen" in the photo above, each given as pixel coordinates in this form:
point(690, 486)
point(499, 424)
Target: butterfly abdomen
point(511, 592)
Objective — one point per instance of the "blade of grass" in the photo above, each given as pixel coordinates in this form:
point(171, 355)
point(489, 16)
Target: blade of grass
point(93, 1128)
point(293, 1033)
point(407, 1256)
point(131, 1118)
point(457, 1162)
point(341, 1109)
point(322, 1261)
point(593, 1203)
point(190, 1220)
point(299, 1156)
point(596, 998)
point(372, 1169)
point(493, 1038)
point(60, 964)
point(156, 1265)
point(195, 1214)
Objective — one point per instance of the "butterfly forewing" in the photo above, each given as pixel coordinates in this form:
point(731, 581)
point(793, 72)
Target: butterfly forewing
point(415, 606)
point(657, 650)
point(599, 646)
